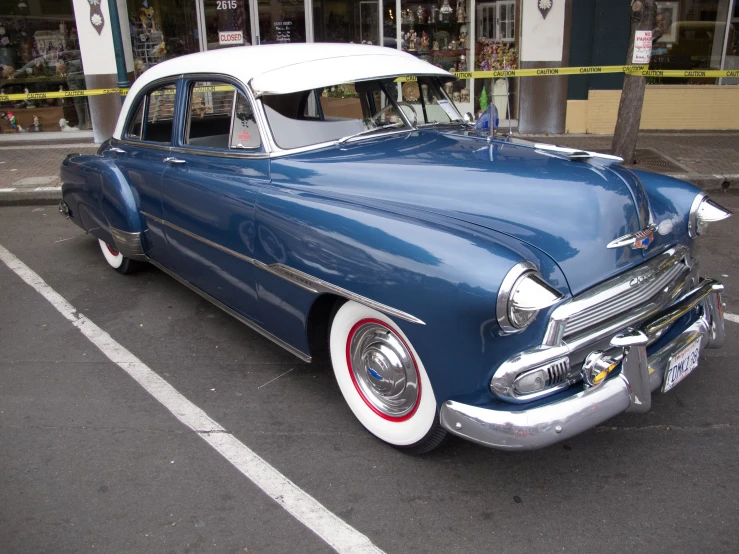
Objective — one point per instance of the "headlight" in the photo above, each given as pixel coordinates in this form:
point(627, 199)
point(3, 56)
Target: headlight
point(702, 212)
point(523, 294)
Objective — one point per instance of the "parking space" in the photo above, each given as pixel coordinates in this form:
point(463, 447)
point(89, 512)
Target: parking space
point(91, 461)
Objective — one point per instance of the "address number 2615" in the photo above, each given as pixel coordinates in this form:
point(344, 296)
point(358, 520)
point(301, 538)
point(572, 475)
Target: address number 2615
point(226, 4)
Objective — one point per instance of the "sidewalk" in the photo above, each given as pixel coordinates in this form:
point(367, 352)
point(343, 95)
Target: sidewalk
point(29, 173)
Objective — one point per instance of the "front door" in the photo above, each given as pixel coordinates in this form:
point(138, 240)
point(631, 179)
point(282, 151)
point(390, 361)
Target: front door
point(281, 22)
point(209, 192)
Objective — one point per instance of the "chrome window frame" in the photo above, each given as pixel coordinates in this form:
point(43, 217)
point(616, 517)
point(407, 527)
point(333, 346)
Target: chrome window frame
point(261, 152)
point(125, 139)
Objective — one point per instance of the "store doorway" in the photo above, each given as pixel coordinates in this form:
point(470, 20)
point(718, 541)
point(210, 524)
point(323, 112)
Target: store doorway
point(280, 22)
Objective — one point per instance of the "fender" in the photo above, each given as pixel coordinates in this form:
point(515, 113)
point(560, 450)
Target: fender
point(101, 201)
point(386, 257)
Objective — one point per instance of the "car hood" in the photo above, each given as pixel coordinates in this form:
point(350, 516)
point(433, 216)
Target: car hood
point(569, 210)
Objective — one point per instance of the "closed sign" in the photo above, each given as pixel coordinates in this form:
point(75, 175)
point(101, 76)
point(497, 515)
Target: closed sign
point(230, 37)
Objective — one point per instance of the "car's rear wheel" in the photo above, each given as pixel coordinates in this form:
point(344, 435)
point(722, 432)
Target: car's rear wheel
point(118, 261)
point(383, 379)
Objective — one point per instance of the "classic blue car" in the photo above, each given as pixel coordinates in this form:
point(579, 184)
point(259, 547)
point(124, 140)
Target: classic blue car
point(332, 198)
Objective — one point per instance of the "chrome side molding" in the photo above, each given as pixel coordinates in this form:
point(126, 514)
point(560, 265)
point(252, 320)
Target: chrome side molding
point(129, 244)
point(295, 276)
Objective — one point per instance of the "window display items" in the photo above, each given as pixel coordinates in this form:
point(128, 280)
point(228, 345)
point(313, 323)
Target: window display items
point(495, 56)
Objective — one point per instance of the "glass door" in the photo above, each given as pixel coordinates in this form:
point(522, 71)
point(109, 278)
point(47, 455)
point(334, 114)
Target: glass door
point(281, 21)
point(227, 23)
point(354, 21)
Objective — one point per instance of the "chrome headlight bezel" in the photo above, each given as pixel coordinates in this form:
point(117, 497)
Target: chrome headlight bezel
point(522, 295)
point(702, 212)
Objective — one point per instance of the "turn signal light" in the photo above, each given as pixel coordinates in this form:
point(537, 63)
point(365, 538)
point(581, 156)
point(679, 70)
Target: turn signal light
point(596, 368)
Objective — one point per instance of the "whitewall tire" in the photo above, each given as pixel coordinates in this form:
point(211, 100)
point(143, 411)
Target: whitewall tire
point(116, 260)
point(383, 379)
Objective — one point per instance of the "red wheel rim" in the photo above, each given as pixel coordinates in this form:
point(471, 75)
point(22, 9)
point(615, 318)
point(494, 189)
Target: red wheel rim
point(354, 379)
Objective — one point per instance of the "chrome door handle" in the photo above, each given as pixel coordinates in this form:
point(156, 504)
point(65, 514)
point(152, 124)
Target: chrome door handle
point(174, 161)
point(116, 150)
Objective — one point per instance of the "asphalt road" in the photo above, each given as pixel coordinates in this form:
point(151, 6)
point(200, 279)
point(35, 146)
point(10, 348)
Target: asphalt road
point(89, 461)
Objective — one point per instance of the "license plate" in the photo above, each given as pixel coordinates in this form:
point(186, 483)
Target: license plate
point(681, 364)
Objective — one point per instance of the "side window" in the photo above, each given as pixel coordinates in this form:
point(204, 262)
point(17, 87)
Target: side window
point(160, 115)
point(220, 117)
point(134, 126)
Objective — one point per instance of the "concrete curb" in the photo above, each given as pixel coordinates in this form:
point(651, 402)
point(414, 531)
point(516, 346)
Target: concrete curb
point(31, 197)
point(52, 195)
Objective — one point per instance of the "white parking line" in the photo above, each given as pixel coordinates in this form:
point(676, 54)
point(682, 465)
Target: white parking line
point(731, 317)
point(306, 509)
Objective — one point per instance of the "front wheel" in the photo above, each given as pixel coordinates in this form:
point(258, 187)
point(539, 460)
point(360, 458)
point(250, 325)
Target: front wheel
point(383, 379)
point(118, 261)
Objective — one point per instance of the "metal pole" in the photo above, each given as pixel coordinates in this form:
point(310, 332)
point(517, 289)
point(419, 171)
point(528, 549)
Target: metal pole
point(120, 57)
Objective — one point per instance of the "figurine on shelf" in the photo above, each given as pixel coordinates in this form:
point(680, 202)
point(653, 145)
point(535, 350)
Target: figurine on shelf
point(66, 127)
point(448, 88)
point(10, 117)
point(434, 15)
point(453, 45)
point(461, 12)
point(462, 43)
point(8, 72)
point(462, 63)
point(424, 41)
point(435, 47)
point(456, 97)
point(412, 36)
point(36, 124)
point(418, 42)
point(419, 13)
point(445, 11)
point(464, 95)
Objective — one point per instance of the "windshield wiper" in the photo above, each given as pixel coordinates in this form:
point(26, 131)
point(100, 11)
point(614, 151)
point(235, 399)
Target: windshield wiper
point(368, 131)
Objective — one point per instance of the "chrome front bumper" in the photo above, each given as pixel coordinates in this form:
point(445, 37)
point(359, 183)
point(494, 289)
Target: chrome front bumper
point(631, 390)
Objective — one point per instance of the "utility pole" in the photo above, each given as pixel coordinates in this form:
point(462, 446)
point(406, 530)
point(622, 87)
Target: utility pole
point(120, 57)
point(643, 14)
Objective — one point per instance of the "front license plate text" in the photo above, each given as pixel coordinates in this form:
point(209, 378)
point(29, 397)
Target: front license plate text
point(681, 364)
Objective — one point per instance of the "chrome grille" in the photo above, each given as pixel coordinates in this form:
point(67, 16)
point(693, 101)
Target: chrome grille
point(627, 300)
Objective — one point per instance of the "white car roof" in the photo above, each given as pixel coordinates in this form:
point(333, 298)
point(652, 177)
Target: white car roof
point(285, 68)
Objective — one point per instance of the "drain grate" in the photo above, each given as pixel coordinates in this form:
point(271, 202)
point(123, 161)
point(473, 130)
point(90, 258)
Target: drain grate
point(650, 159)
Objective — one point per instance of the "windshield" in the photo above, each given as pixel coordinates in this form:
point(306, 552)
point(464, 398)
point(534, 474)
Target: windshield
point(349, 111)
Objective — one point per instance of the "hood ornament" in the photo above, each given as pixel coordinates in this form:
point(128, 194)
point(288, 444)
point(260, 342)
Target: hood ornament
point(639, 240)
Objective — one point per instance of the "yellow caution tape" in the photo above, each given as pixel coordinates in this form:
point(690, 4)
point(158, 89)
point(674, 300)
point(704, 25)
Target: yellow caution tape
point(493, 74)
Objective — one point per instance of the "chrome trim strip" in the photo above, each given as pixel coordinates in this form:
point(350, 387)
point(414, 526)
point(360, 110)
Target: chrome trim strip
point(297, 277)
point(576, 154)
point(692, 223)
point(294, 351)
point(128, 244)
point(632, 238)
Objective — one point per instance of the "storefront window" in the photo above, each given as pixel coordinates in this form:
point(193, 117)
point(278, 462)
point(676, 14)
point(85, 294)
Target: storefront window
point(227, 23)
point(346, 21)
point(39, 52)
point(689, 34)
point(495, 49)
point(439, 34)
point(160, 30)
point(281, 22)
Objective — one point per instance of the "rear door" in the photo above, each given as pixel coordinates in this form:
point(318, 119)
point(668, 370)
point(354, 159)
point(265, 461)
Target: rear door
point(141, 156)
point(209, 192)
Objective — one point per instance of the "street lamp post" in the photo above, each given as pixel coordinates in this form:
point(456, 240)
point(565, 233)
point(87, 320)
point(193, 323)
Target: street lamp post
point(120, 58)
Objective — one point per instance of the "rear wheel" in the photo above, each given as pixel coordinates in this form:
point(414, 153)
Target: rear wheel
point(383, 379)
point(118, 261)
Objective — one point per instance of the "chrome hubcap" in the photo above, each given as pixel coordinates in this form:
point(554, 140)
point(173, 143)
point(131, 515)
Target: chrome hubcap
point(383, 370)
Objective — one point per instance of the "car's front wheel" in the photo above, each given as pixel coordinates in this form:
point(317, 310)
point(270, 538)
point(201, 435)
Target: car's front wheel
point(383, 379)
point(118, 261)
